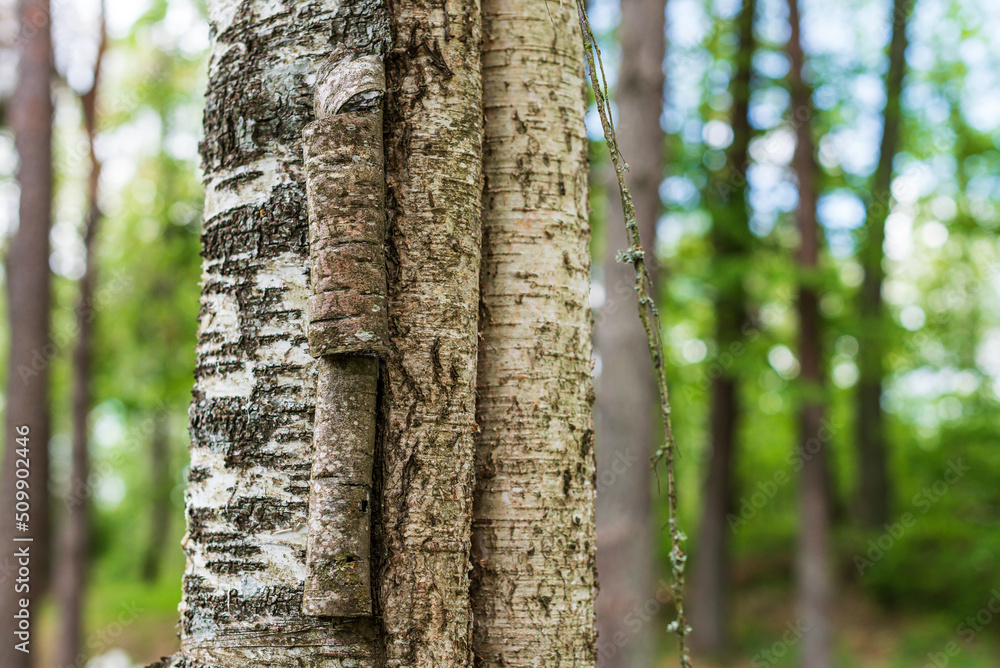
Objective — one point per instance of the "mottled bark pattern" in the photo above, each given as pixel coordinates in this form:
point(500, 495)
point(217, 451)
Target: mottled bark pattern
point(338, 581)
point(345, 186)
point(345, 176)
point(534, 578)
point(434, 162)
point(252, 413)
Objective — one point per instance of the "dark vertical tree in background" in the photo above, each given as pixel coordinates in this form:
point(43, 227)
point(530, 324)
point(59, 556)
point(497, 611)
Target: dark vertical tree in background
point(726, 199)
point(28, 297)
point(71, 561)
point(813, 573)
point(874, 488)
point(159, 502)
point(626, 391)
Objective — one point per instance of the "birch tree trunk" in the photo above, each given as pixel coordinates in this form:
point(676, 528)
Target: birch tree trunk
point(28, 297)
point(627, 401)
point(534, 576)
point(731, 245)
point(259, 417)
point(434, 159)
point(814, 574)
point(251, 418)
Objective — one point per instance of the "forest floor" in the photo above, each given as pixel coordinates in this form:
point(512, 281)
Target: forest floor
point(131, 623)
point(866, 636)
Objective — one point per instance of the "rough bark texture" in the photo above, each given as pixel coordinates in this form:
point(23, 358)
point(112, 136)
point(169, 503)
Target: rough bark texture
point(534, 574)
point(874, 489)
point(813, 569)
point(731, 242)
point(345, 186)
point(627, 402)
point(28, 299)
point(434, 161)
point(252, 413)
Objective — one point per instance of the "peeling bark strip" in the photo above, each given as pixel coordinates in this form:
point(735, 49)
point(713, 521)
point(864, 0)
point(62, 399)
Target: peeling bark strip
point(534, 579)
point(345, 190)
point(252, 416)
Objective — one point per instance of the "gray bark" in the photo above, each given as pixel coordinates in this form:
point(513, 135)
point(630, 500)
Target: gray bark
point(627, 402)
point(534, 576)
point(434, 161)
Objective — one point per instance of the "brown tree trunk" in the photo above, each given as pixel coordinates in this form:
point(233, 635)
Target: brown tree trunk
point(71, 575)
point(874, 484)
point(160, 487)
point(731, 243)
point(28, 298)
point(813, 569)
point(626, 415)
point(533, 581)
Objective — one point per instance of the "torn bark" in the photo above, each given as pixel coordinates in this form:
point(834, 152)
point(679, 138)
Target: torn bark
point(345, 186)
point(252, 415)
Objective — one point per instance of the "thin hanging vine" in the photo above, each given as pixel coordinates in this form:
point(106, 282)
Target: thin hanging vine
point(650, 317)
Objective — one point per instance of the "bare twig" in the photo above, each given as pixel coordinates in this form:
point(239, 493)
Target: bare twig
point(650, 317)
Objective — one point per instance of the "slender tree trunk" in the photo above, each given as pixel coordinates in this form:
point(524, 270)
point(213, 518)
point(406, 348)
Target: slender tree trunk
point(434, 158)
point(28, 298)
point(534, 578)
point(813, 568)
point(731, 242)
point(874, 488)
point(71, 576)
point(160, 486)
point(627, 402)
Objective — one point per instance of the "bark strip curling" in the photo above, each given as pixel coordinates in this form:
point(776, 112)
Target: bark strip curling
point(345, 194)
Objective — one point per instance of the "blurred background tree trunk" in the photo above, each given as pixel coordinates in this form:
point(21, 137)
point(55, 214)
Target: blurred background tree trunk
point(874, 480)
point(626, 411)
point(814, 576)
point(28, 298)
point(731, 242)
point(72, 562)
point(160, 508)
